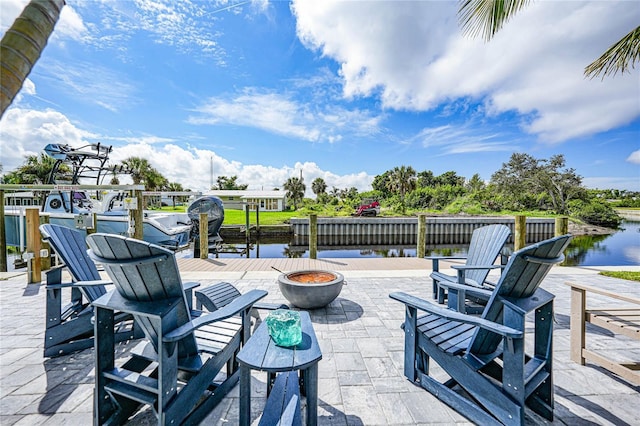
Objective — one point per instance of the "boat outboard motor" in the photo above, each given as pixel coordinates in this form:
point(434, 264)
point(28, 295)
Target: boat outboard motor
point(214, 209)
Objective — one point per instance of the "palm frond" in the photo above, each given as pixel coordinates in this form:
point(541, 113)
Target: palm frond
point(486, 17)
point(619, 57)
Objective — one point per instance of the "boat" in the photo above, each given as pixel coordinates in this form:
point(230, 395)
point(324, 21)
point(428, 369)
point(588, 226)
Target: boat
point(69, 205)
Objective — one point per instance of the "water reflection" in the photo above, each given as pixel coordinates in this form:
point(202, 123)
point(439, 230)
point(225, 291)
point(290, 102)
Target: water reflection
point(584, 246)
point(620, 248)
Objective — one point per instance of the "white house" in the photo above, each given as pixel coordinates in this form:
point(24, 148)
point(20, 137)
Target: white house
point(269, 201)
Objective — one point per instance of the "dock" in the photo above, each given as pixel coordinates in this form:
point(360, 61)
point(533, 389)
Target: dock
point(360, 375)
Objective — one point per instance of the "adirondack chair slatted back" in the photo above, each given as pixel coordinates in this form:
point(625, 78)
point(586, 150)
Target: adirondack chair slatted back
point(521, 278)
point(144, 272)
point(71, 247)
point(484, 248)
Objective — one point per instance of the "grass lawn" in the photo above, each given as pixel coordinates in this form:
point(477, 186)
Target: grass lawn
point(238, 217)
point(625, 275)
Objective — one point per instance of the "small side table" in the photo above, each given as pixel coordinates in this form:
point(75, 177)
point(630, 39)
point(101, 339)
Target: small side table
point(261, 353)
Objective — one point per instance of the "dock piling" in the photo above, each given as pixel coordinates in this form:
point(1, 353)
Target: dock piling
point(33, 245)
point(422, 236)
point(520, 234)
point(561, 226)
point(313, 236)
point(204, 236)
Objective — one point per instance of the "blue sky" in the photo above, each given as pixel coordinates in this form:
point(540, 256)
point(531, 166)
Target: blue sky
point(340, 90)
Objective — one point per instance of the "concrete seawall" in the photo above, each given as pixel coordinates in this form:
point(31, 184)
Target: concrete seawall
point(629, 214)
point(438, 229)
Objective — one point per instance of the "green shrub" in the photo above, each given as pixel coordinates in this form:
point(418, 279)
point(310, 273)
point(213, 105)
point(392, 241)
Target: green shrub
point(595, 212)
point(465, 205)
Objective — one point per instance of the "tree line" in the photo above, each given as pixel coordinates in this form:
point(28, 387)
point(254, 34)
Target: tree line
point(524, 183)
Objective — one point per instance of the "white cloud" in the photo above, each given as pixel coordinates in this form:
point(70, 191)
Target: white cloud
point(91, 83)
point(282, 114)
point(27, 132)
point(452, 139)
point(188, 26)
point(193, 168)
point(10, 11)
point(413, 56)
point(634, 157)
point(71, 26)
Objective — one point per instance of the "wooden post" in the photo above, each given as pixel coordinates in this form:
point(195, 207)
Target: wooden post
point(138, 215)
point(577, 324)
point(422, 236)
point(33, 244)
point(561, 226)
point(247, 223)
point(45, 262)
point(204, 236)
point(94, 219)
point(3, 235)
point(313, 236)
point(520, 234)
point(258, 220)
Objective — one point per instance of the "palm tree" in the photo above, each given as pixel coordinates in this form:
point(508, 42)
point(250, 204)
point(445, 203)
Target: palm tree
point(36, 169)
point(295, 188)
point(138, 168)
point(319, 186)
point(402, 180)
point(22, 45)
point(486, 17)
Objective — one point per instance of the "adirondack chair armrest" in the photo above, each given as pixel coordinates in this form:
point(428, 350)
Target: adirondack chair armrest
point(469, 267)
point(78, 284)
point(435, 261)
point(468, 289)
point(420, 304)
point(54, 275)
point(238, 305)
point(93, 283)
point(190, 285)
point(461, 269)
point(528, 304)
point(112, 300)
point(444, 257)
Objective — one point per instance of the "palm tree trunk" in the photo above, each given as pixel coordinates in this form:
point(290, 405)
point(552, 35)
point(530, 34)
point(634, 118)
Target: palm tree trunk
point(22, 45)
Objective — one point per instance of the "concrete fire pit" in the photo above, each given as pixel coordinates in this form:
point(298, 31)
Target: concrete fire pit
point(310, 289)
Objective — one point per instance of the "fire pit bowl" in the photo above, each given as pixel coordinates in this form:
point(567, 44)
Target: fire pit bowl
point(310, 289)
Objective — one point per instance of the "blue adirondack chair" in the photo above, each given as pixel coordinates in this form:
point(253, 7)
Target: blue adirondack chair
point(174, 367)
point(485, 246)
point(68, 325)
point(485, 355)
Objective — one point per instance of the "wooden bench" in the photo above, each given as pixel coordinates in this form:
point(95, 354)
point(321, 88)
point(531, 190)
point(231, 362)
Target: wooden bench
point(619, 320)
point(283, 403)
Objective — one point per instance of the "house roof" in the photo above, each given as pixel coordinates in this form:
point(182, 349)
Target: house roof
point(247, 193)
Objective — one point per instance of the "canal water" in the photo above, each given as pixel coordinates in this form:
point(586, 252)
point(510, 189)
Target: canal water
point(621, 248)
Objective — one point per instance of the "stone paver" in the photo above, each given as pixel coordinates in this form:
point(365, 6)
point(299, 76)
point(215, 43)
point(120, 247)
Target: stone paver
point(360, 375)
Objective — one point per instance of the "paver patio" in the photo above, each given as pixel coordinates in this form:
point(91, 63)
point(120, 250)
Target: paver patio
point(361, 381)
